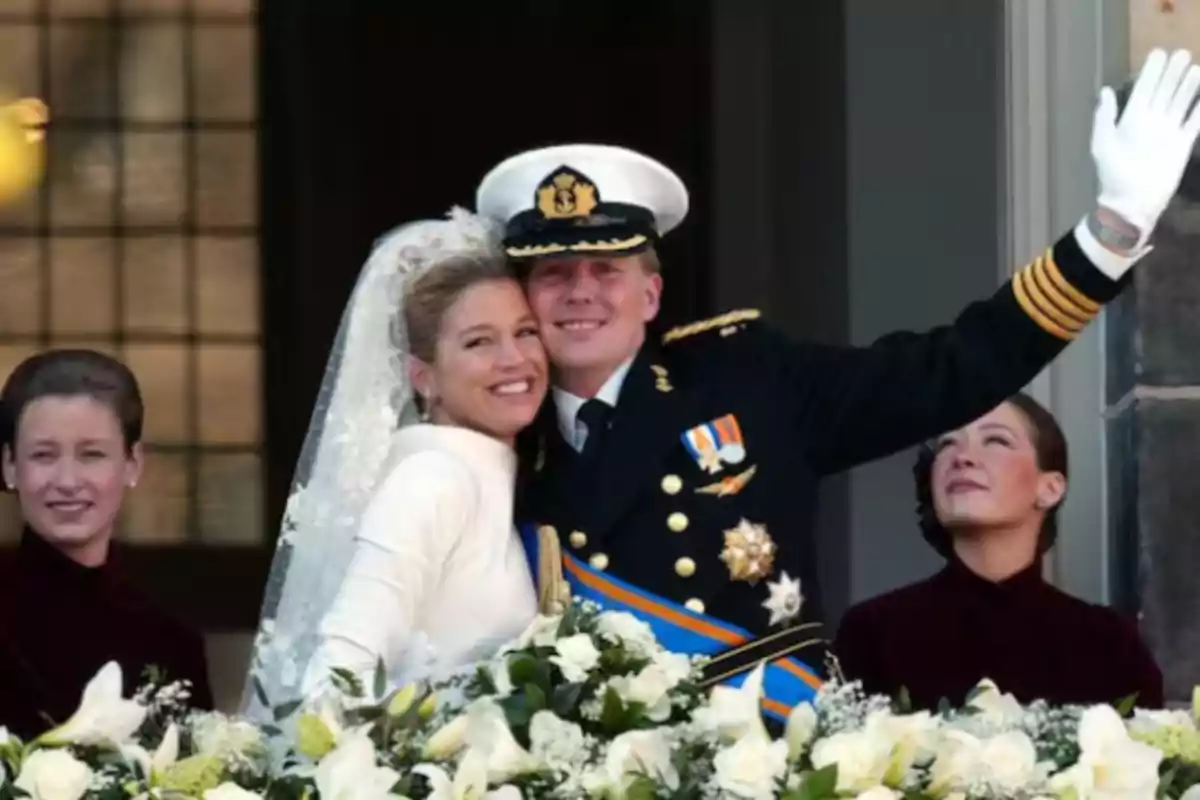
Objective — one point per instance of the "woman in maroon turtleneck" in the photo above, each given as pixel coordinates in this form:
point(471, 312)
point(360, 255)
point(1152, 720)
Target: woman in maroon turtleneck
point(70, 439)
point(988, 497)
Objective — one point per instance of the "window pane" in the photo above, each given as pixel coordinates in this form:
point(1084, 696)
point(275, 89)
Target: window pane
point(155, 295)
point(11, 355)
point(82, 283)
point(10, 519)
point(83, 178)
point(155, 189)
point(224, 72)
point(227, 286)
point(14, 7)
point(19, 48)
point(106, 346)
point(21, 279)
point(81, 59)
point(155, 511)
point(229, 389)
point(227, 177)
point(161, 369)
point(152, 72)
point(80, 8)
point(230, 498)
point(224, 7)
point(23, 213)
point(151, 8)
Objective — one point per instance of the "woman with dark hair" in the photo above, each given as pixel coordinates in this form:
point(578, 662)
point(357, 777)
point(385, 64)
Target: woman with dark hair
point(70, 441)
point(988, 496)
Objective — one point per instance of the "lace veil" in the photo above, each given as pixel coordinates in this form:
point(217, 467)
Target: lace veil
point(364, 397)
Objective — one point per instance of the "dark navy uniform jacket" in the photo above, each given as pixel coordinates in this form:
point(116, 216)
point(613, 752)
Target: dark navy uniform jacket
point(729, 535)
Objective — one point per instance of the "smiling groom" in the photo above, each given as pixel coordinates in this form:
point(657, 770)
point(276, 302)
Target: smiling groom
point(680, 473)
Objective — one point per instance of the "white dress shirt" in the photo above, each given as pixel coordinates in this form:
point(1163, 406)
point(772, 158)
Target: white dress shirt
point(568, 405)
point(439, 579)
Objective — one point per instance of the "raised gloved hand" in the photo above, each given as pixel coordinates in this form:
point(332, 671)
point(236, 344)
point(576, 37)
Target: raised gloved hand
point(1140, 159)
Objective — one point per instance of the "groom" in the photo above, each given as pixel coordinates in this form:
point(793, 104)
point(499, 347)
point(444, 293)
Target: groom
point(680, 473)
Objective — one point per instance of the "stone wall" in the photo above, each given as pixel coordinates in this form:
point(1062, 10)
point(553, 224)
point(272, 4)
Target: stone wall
point(1153, 408)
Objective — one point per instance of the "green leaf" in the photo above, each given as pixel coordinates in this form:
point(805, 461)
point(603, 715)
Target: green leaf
point(284, 711)
point(536, 698)
point(565, 699)
point(1126, 705)
point(525, 669)
point(642, 787)
point(380, 679)
point(517, 711)
point(272, 730)
point(261, 693)
point(348, 682)
point(612, 712)
point(903, 704)
point(820, 784)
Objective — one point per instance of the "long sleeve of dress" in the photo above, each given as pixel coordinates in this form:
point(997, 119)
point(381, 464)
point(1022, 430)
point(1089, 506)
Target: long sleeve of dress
point(415, 520)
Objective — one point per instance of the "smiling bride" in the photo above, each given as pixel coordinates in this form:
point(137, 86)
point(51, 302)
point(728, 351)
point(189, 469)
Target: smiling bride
point(398, 544)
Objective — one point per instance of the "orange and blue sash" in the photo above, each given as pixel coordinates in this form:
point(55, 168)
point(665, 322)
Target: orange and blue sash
point(787, 681)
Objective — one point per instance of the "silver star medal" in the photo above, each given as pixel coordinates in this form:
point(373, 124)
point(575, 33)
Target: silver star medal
point(785, 600)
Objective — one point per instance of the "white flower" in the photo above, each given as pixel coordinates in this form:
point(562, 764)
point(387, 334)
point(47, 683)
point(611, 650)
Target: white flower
point(577, 656)
point(640, 752)
point(801, 725)
point(1111, 765)
point(751, 767)
point(104, 718)
point(555, 742)
point(734, 712)
point(913, 738)
point(623, 628)
point(469, 782)
point(862, 758)
point(230, 791)
point(1149, 721)
point(349, 772)
point(878, 793)
point(1007, 763)
point(214, 734)
point(541, 632)
point(448, 739)
point(652, 685)
point(54, 775)
point(487, 735)
point(164, 755)
point(994, 707)
point(497, 670)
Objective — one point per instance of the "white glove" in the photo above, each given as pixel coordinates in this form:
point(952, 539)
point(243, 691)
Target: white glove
point(1140, 160)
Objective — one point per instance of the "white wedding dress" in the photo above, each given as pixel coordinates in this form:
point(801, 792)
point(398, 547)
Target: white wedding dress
point(398, 540)
point(438, 579)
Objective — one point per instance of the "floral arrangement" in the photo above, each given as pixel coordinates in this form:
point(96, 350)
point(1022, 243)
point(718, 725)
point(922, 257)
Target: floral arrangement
point(589, 705)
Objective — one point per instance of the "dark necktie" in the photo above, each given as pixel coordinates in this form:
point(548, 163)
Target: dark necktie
point(594, 414)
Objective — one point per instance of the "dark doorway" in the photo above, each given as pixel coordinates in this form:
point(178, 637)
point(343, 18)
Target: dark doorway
point(373, 116)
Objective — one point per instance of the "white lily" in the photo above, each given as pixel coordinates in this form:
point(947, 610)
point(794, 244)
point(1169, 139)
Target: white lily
point(469, 783)
point(487, 734)
point(166, 754)
point(350, 772)
point(104, 718)
point(735, 713)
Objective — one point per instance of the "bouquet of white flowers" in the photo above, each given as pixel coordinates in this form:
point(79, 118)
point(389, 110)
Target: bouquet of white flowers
point(589, 705)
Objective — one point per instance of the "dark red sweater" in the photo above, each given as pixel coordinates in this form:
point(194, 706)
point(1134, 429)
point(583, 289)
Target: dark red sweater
point(940, 637)
point(60, 622)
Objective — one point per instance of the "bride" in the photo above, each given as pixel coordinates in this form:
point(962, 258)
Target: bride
point(398, 542)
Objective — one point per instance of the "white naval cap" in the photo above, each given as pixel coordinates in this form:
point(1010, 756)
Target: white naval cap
point(582, 198)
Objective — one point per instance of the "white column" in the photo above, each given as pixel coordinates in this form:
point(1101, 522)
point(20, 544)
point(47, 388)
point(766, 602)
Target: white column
point(1058, 56)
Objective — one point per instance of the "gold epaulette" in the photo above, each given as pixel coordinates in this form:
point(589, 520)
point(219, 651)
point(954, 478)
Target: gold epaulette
point(1050, 300)
point(727, 322)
